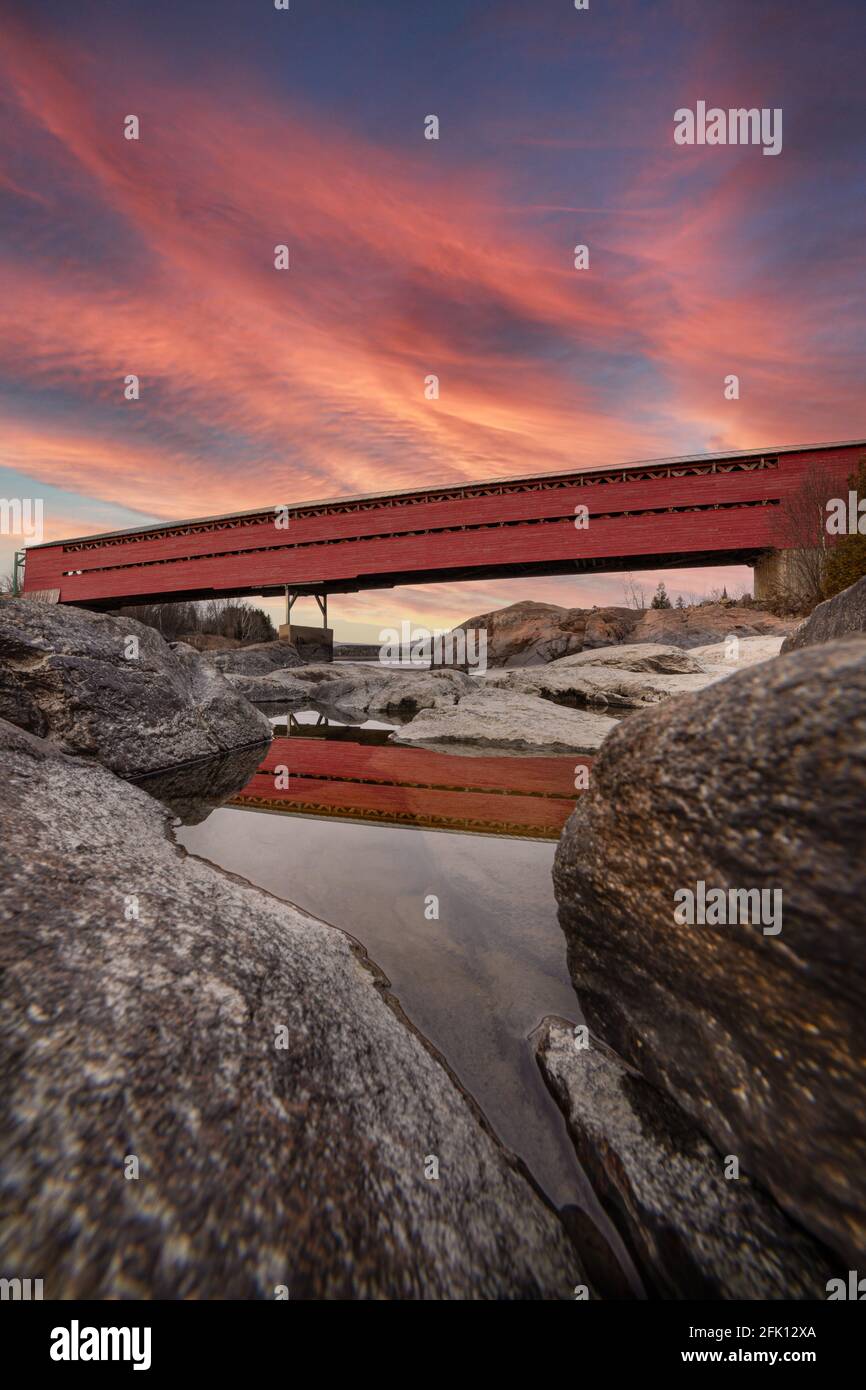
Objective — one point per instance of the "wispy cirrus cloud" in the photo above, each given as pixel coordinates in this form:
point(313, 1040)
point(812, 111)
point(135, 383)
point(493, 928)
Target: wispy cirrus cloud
point(155, 257)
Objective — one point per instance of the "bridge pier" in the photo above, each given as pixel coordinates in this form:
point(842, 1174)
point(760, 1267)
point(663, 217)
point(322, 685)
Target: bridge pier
point(780, 573)
point(313, 643)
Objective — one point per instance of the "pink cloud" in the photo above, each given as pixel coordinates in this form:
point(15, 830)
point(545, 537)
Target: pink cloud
point(259, 386)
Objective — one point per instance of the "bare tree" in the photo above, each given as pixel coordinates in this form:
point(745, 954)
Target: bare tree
point(234, 617)
point(224, 617)
point(801, 530)
point(635, 594)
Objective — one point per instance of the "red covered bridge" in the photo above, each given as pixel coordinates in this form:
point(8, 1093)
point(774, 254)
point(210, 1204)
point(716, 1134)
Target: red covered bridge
point(528, 797)
point(705, 509)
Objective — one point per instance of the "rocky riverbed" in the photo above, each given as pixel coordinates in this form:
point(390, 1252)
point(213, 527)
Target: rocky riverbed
point(287, 1124)
point(568, 705)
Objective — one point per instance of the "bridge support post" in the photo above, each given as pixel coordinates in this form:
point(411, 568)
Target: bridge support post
point(17, 572)
point(782, 573)
point(313, 643)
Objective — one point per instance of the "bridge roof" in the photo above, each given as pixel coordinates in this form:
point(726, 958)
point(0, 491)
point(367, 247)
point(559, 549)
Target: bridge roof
point(428, 488)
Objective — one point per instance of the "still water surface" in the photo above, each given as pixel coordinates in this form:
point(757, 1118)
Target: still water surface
point(476, 981)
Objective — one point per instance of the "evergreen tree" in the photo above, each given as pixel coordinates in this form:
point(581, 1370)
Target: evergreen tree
point(660, 598)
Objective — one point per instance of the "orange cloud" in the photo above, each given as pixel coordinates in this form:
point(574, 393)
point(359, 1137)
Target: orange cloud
point(261, 386)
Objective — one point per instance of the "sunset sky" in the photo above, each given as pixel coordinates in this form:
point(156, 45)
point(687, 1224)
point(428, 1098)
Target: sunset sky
point(411, 257)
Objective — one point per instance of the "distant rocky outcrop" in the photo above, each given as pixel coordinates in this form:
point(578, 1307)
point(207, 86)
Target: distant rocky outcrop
point(112, 689)
point(758, 783)
point(210, 1095)
point(843, 615)
point(705, 624)
point(530, 634)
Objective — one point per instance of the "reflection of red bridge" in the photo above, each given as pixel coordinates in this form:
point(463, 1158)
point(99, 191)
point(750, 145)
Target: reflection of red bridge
point(700, 510)
point(391, 785)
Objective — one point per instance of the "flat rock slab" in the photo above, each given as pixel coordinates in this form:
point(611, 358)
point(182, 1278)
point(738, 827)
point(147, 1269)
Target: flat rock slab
point(599, 686)
point(635, 656)
point(758, 783)
point(363, 689)
point(111, 688)
point(145, 995)
point(490, 717)
point(693, 1232)
point(747, 651)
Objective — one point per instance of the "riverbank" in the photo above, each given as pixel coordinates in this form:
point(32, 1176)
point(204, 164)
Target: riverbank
point(230, 1099)
point(239, 1073)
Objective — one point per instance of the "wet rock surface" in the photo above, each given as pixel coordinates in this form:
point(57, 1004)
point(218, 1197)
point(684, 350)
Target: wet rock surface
point(844, 615)
point(111, 688)
point(359, 688)
point(146, 993)
point(618, 679)
point(757, 783)
point(193, 791)
point(489, 717)
point(693, 1233)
